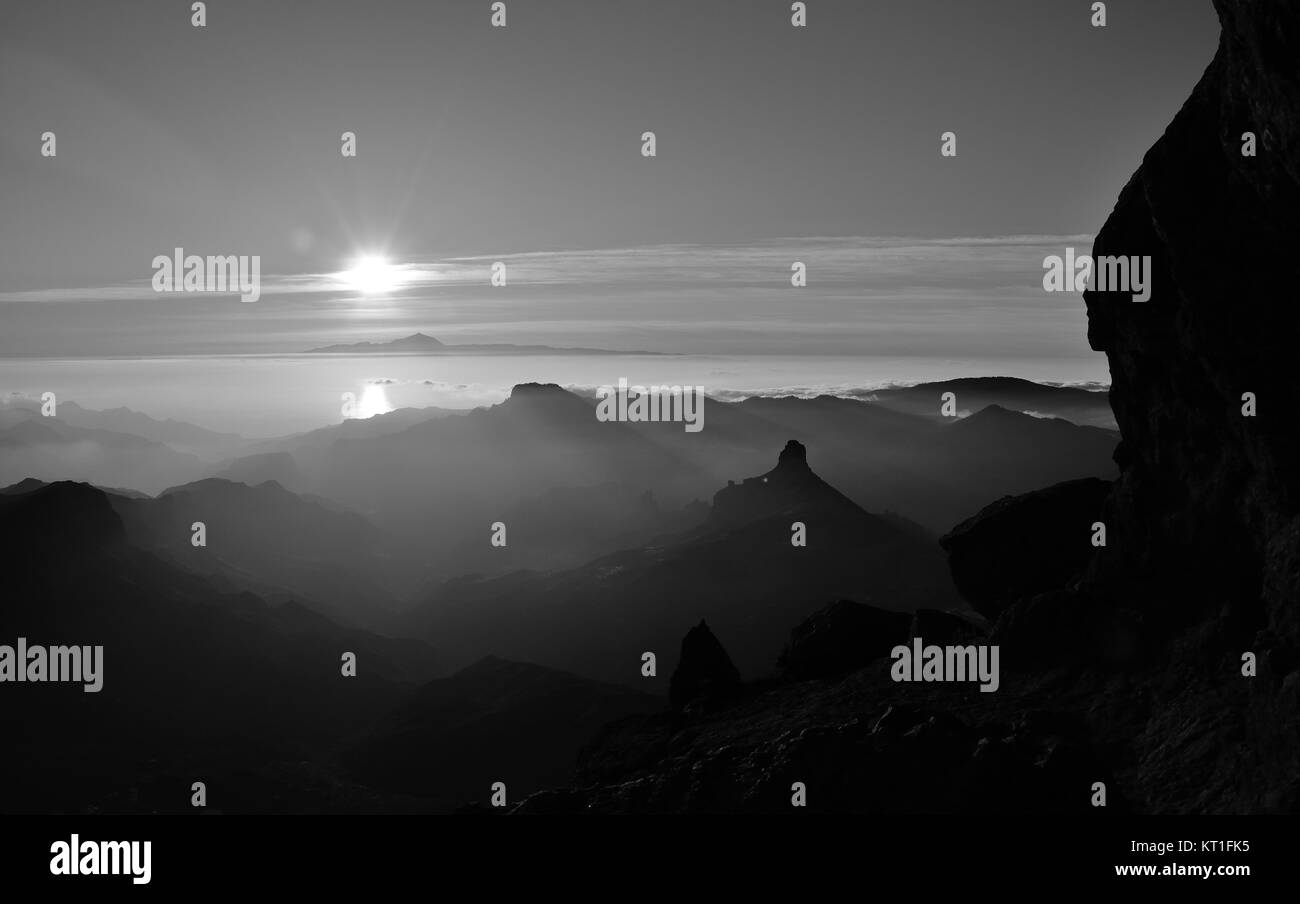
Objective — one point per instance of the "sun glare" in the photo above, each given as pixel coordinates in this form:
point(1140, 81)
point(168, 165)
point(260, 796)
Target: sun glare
point(372, 275)
point(373, 401)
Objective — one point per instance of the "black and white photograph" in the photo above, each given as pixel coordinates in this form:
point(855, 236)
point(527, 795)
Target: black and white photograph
point(742, 409)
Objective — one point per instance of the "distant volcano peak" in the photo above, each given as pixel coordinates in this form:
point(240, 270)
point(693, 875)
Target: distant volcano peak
point(415, 339)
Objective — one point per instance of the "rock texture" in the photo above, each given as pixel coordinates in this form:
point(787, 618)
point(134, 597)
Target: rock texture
point(863, 745)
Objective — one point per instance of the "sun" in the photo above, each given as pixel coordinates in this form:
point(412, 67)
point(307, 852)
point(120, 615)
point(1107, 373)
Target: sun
point(372, 274)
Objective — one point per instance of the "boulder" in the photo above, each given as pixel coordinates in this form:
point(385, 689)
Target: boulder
point(1027, 544)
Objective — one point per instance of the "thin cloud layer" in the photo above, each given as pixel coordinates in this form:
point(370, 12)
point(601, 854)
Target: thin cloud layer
point(957, 296)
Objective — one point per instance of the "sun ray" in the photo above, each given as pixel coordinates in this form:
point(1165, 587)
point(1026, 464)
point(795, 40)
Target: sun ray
point(372, 274)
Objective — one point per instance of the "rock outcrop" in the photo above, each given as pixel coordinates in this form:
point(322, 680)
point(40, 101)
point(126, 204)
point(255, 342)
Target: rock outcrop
point(1202, 561)
point(705, 673)
point(790, 486)
point(1208, 501)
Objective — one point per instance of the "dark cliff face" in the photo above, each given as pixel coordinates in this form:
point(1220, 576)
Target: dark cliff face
point(1204, 521)
point(1207, 504)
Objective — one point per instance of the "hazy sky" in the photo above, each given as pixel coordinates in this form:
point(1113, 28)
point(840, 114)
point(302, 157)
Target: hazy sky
point(477, 143)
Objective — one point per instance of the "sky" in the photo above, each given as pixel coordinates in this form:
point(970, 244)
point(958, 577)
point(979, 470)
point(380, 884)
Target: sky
point(523, 144)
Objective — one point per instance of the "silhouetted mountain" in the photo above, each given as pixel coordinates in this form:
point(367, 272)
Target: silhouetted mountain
point(27, 484)
point(511, 722)
point(198, 683)
point(886, 460)
point(1006, 452)
point(275, 543)
point(570, 488)
point(443, 482)
point(435, 482)
point(50, 521)
point(280, 467)
point(565, 527)
point(739, 571)
point(49, 449)
point(416, 342)
point(304, 445)
point(788, 487)
point(420, 344)
point(178, 435)
point(1086, 407)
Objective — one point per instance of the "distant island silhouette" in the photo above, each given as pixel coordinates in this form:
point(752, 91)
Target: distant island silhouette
point(421, 344)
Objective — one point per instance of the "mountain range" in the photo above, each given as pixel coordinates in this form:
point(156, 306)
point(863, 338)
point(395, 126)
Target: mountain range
point(741, 569)
point(204, 681)
point(420, 344)
point(374, 537)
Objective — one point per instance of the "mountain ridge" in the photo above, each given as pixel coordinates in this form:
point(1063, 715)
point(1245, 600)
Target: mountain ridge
point(423, 344)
